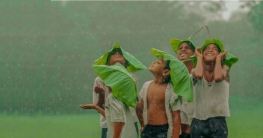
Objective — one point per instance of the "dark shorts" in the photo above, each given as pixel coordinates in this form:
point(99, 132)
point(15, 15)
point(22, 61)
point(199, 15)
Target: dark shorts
point(185, 135)
point(155, 131)
point(214, 127)
point(104, 133)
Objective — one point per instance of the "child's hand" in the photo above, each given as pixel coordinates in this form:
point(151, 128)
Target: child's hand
point(99, 90)
point(87, 106)
point(142, 127)
point(198, 52)
point(222, 55)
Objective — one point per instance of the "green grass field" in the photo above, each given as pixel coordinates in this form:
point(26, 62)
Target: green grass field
point(242, 124)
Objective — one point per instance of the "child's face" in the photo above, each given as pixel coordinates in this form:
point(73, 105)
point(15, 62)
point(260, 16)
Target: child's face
point(210, 52)
point(157, 66)
point(116, 56)
point(184, 51)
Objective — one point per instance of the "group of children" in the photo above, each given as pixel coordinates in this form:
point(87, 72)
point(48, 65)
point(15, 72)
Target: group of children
point(188, 96)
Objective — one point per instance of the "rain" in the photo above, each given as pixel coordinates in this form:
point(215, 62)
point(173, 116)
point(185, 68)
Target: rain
point(48, 49)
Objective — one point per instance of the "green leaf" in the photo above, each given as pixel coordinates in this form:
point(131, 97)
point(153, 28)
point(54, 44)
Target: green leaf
point(123, 86)
point(134, 64)
point(179, 75)
point(229, 60)
point(213, 41)
point(175, 43)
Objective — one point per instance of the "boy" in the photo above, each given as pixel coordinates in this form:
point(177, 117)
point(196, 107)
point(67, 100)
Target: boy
point(161, 106)
point(211, 90)
point(184, 49)
point(100, 93)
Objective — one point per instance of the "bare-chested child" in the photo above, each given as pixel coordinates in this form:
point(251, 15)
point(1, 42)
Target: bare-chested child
point(159, 104)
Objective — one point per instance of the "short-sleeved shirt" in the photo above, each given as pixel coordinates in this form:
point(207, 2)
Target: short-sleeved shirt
point(99, 82)
point(210, 100)
point(187, 111)
point(172, 103)
point(116, 111)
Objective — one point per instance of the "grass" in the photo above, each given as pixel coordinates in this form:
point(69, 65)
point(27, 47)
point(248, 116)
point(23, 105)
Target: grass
point(245, 124)
point(50, 126)
point(241, 124)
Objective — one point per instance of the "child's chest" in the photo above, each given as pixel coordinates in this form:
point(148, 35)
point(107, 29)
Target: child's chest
point(156, 94)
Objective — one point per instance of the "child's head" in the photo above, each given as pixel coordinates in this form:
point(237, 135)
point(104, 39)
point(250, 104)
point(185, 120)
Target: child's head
point(116, 56)
point(210, 52)
point(160, 67)
point(185, 50)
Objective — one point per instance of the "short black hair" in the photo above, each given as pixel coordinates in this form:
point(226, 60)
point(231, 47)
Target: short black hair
point(167, 79)
point(189, 43)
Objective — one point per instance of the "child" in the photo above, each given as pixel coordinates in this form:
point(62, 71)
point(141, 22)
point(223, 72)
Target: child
point(119, 118)
point(100, 93)
point(184, 49)
point(161, 106)
point(211, 90)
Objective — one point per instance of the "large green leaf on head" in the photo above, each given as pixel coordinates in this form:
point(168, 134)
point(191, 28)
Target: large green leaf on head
point(213, 41)
point(123, 86)
point(133, 66)
point(229, 60)
point(175, 43)
point(179, 75)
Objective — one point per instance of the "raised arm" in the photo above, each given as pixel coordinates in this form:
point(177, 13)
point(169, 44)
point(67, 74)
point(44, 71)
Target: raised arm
point(197, 72)
point(220, 71)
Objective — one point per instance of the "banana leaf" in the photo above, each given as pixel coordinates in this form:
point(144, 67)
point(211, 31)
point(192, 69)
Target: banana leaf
point(123, 86)
point(213, 41)
point(175, 43)
point(179, 75)
point(133, 66)
point(229, 60)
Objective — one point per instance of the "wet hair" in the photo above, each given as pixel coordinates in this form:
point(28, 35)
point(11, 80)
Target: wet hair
point(112, 52)
point(167, 79)
point(189, 43)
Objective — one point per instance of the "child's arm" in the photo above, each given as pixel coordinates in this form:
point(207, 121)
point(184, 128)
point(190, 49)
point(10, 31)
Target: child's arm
point(176, 123)
point(117, 129)
point(93, 106)
point(101, 96)
point(139, 112)
point(220, 71)
point(197, 72)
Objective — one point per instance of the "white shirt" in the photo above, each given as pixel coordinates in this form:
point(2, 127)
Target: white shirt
point(211, 101)
point(99, 82)
point(116, 111)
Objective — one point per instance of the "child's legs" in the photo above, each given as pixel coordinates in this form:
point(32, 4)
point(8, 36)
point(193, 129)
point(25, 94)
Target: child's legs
point(136, 127)
point(217, 127)
point(104, 133)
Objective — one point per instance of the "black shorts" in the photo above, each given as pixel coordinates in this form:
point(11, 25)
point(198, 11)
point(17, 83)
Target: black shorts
point(155, 131)
point(214, 127)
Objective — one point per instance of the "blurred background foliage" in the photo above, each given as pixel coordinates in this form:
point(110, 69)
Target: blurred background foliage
point(47, 48)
